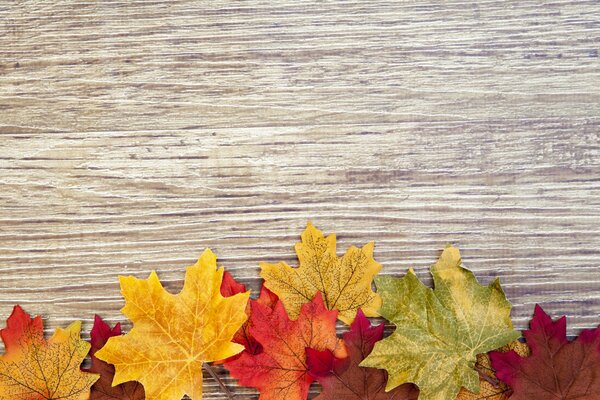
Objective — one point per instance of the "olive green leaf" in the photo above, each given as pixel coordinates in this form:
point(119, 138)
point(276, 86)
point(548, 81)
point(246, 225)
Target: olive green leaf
point(440, 332)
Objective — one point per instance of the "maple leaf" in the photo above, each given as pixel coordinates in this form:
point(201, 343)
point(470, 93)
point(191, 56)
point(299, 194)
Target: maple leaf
point(345, 283)
point(103, 389)
point(440, 332)
point(557, 368)
point(343, 379)
point(279, 370)
point(243, 336)
point(33, 368)
point(174, 334)
point(490, 387)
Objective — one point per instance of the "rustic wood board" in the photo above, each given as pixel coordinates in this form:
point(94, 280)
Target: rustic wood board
point(136, 133)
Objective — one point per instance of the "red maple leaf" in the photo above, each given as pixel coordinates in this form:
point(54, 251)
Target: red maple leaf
point(103, 389)
point(279, 370)
point(557, 368)
point(343, 379)
point(230, 287)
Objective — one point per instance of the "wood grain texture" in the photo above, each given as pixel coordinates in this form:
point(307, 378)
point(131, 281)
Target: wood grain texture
point(133, 134)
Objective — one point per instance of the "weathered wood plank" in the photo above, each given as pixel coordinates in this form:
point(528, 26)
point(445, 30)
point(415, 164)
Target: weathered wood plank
point(136, 133)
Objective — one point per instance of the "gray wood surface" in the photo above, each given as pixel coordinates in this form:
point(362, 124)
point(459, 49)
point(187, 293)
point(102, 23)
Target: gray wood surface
point(133, 134)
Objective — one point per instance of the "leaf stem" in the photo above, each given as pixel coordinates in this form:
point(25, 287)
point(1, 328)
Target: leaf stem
point(214, 375)
point(494, 382)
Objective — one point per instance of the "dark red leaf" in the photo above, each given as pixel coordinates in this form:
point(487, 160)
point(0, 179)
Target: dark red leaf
point(348, 381)
point(103, 389)
point(557, 369)
point(320, 363)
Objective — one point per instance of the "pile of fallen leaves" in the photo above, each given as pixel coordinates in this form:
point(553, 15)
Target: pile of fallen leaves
point(455, 341)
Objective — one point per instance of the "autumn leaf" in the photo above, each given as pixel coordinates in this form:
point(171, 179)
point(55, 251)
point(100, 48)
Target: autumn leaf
point(279, 370)
point(557, 368)
point(344, 283)
point(491, 387)
point(33, 368)
point(243, 336)
point(103, 389)
point(343, 379)
point(440, 332)
point(231, 287)
point(173, 335)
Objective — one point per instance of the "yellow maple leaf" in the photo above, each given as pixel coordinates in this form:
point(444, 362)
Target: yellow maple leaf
point(490, 387)
point(35, 369)
point(174, 334)
point(344, 282)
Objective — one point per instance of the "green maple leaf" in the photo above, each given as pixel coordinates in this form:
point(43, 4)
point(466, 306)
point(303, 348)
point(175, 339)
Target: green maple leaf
point(440, 332)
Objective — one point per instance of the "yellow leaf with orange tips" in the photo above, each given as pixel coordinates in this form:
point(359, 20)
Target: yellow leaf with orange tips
point(344, 282)
point(174, 334)
point(34, 368)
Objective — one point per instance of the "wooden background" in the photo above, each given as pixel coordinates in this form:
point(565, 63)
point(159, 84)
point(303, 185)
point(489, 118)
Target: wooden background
point(133, 134)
